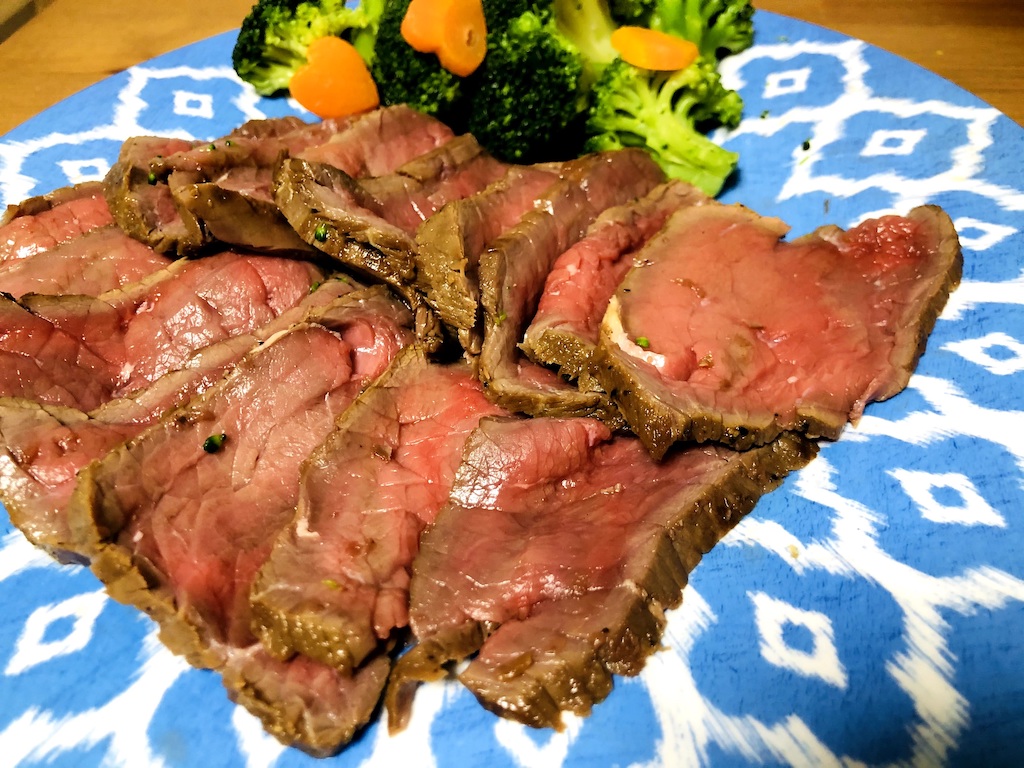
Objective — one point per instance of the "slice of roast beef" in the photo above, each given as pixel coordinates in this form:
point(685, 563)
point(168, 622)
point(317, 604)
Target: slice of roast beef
point(303, 703)
point(143, 206)
point(558, 553)
point(178, 521)
point(725, 333)
point(43, 447)
point(564, 331)
point(227, 185)
point(380, 142)
point(100, 260)
point(43, 222)
point(329, 208)
point(514, 268)
point(80, 351)
point(336, 584)
point(449, 243)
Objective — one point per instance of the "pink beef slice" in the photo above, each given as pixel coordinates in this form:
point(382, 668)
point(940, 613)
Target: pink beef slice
point(564, 331)
point(100, 260)
point(723, 332)
point(334, 211)
point(80, 351)
point(558, 553)
point(41, 223)
point(43, 447)
point(179, 520)
point(336, 584)
point(513, 271)
point(380, 142)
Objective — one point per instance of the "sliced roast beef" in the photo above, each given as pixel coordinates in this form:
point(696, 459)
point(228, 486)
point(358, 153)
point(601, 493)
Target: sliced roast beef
point(227, 185)
point(46, 221)
point(564, 332)
point(80, 351)
point(514, 268)
point(100, 260)
point(336, 583)
point(43, 447)
point(179, 520)
point(303, 703)
point(380, 142)
point(449, 243)
point(724, 333)
point(329, 208)
point(143, 206)
point(559, 551)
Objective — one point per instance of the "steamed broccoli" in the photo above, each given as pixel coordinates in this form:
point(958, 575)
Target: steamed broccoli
point(530, 93)
point(272, 42)
point(662, 112)
point(525, 93)
point(406, 76)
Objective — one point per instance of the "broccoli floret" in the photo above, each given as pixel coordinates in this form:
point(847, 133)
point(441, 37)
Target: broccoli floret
point(717, 27)
point(635, 12)
point(525, 94)
point(272, 42)
point(662, 112)
point(406, 76)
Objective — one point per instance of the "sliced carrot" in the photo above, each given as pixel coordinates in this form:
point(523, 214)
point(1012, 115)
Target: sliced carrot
point(422, 25)
point(335, 80)
point(453, 29)
point(464, 42)
point(651, 49)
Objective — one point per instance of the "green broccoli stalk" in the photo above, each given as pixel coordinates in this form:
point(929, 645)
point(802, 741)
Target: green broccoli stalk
point(661, 112)
point(525, 94)
point(406, 76)
point(275, 35)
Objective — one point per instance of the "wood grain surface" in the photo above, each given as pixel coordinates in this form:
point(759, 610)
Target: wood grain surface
point(70, 44)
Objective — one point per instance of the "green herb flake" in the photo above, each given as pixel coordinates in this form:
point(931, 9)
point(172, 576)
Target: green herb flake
point(214, 443)
point(806, 146)
point(501, 318)
point(320, 233)
point(151, 179)
point(314, 286)
point(765, 114)
point(643, 342)
point(331, 584)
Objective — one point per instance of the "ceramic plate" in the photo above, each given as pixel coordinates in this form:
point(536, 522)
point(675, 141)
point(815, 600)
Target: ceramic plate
point(870, 611)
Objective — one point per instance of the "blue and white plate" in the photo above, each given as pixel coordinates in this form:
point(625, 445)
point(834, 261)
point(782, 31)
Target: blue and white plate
point(869, 612)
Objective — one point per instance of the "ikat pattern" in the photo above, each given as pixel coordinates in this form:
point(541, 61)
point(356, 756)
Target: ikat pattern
point(867, 613)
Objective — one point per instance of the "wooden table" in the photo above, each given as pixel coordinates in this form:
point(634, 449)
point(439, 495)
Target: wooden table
point(70, 44)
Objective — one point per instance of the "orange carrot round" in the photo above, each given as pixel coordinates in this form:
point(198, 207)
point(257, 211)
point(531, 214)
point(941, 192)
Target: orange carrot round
point(453, 29)
point(651, 49)
point(422, 25)
point(335, 80)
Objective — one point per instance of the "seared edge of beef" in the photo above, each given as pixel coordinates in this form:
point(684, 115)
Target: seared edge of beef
point(449, 245)
point(302, 703)
point(329, 208)
point(656, 414)
point(143, 206)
